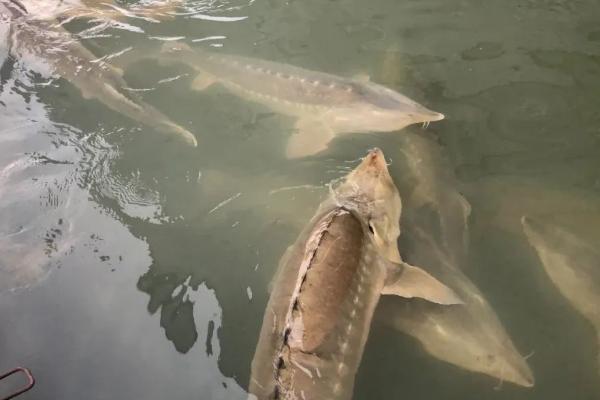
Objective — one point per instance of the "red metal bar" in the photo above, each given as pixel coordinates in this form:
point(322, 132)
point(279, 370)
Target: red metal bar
point(30, 382)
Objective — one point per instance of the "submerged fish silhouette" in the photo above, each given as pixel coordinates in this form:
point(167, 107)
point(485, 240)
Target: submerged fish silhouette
point(325, 104)
point(318, 317)
point(50, 46)
point(572, 263)
point(435, 214)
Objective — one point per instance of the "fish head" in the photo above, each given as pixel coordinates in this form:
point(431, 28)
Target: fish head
point(370, 192)
point(457, 341)
point(388, 110)
point(511, 367)
point(502, 362)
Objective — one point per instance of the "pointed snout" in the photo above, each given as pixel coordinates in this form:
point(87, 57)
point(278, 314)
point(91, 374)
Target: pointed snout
point(375, 159)
point(519, 372)
point(426, 115)
point(436, 116)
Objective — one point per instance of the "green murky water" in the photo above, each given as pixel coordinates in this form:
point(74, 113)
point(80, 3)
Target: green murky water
point(143, 264)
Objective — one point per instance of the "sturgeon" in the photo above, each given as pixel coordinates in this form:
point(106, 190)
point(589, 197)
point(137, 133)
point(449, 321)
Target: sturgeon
point(325, 105)
point(473, 336)
point(329, 281)
point(572, 263)
point(52, 49)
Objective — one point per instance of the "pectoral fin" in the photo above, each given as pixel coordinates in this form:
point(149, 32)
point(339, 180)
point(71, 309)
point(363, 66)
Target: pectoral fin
point(203, 81)
point(407, 281)
point(311, 137)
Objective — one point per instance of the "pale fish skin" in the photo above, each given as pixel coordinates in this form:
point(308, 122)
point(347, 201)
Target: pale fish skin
point(325, 105)
point(151, 11)
point(471, 337)
point(573, 264)
point(435, 214)
point(433, 188)
point(329, 281)
point(47, 47)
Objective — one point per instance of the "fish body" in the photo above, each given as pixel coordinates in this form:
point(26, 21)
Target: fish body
point(50, 48)
point(571, 262)
point(433, 189)
point(472, 336)
point(316, 353)
point(325, 105)
point(329, 282)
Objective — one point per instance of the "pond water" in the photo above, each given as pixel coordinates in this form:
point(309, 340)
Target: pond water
point(133, 265)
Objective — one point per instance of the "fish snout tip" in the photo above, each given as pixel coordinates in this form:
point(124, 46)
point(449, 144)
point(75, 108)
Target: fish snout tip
point(430, 116)
point(376, 158)
point(375, 152)
point(437, 116)
point(515, 369)
point(525, 377)
point(529, 382)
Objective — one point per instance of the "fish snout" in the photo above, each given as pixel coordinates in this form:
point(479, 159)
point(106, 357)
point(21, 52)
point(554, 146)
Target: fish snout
point(509, 366)
point(436, 116)
point(375, 159)
point(521, 374)
point(425, 115)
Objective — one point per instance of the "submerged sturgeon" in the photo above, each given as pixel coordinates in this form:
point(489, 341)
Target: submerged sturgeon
point(325, 104)
point(572, 263)
point(329, 281)
point(471, 336)
point(52, 49)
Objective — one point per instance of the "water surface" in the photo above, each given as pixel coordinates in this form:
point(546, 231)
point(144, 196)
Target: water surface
point(138, 267)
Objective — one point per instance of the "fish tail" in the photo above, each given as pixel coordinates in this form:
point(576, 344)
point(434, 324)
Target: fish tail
point(144, 113)
point(150, 116)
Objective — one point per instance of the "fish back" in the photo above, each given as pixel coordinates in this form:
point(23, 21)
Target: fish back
point(313, 335)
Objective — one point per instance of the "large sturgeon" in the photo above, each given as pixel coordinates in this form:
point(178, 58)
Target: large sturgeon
point(329, 281)
point(52, 49)
point(472, 336)
point(325, 104)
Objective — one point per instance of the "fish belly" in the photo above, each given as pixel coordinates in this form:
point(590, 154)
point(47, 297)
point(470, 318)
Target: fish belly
point(311, 343)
